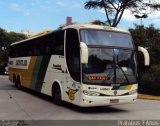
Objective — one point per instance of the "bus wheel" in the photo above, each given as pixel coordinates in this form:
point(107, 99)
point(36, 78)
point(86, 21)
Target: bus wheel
point(14, 81)
point(56, 95)
point(18, 83)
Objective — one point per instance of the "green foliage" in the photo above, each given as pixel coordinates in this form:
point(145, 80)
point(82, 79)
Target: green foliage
point(148, 37)
point(114, 9)
point(6, 38)
point(150, 82)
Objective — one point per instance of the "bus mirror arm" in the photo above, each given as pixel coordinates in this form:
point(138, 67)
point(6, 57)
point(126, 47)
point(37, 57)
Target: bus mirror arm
point(146, 55)
point(84, 53)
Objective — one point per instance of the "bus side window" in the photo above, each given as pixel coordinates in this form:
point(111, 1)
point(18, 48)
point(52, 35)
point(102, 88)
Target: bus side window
point(28, 49)
point(73, 53)
point(38, 47)
point(12, 51)
point(59, 42)
point(47, 50)
point(47, 45)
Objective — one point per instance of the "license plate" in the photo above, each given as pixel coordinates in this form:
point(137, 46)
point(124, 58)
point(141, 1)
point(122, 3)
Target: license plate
point(114, 101)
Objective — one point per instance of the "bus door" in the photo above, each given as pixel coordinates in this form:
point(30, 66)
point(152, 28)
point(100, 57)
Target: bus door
point(72, 76)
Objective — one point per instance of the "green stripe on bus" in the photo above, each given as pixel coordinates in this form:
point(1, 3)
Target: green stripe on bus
point(36, 71)
point(42, 72)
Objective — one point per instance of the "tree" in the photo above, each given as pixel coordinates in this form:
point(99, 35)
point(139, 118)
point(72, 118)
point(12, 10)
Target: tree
point(6, 38)
point(148, 37)
point(98, 22)
point(140, 17)
point(114, 9)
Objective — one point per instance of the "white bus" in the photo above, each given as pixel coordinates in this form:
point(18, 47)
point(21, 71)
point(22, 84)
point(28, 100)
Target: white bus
point(83, 64)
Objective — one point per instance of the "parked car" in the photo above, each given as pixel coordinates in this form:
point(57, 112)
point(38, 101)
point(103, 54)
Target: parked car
point(6, 70)
point(3, 69)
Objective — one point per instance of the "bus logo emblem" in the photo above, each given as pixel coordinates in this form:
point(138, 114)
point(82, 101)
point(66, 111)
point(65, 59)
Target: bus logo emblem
point(71, 94)
point(115, 92)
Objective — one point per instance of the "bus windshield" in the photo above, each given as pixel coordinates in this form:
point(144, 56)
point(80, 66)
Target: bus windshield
point(106, 38)
point(111, 60)
point(106, 67)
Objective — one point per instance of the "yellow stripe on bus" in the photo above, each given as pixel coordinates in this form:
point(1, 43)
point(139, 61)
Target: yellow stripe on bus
point(25, 74)
point(128, 87)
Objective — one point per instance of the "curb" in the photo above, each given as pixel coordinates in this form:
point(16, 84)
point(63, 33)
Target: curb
point(148, 97)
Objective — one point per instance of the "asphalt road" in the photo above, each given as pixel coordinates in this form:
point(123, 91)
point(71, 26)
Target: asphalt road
point(27, 105)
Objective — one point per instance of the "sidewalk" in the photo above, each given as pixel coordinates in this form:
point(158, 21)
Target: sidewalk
point(148, 97)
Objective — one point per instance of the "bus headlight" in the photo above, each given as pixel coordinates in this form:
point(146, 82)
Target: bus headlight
point(133, 92)
point(87, 101)
point(91, 93)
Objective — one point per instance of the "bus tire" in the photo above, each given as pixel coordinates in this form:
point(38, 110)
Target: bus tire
point(14, 80)
point(18, 83)
point(56, 95)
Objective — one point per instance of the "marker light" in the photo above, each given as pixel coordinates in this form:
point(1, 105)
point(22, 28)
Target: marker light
point(133, 92)
point(91, 93)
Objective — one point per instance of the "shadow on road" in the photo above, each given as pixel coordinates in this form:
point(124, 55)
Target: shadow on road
point(105, 109)
point(5, 85)
point(102, 109)
point(8, 87)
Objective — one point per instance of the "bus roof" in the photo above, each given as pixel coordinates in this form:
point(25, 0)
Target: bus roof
point(98, 27)
point(40, 34)
point(75, 26)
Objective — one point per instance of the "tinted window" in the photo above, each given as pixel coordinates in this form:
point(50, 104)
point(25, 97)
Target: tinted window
point(73, 53)
point(106, 38)
point(46, 45)
point(107, 66)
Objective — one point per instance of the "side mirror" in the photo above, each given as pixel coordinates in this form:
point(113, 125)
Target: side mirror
point(145, 54)
point(84, 53)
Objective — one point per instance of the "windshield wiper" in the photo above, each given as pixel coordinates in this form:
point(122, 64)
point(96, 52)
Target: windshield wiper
point(123, 73)
point(117, 66)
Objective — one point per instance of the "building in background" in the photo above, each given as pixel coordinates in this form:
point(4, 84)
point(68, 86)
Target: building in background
point(27, 32)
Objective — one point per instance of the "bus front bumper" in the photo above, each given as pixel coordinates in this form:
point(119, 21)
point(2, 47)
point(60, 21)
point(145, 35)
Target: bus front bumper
point(91, 101)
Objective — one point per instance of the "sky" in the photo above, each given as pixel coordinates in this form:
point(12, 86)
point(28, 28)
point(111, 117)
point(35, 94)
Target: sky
point(39, 15)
